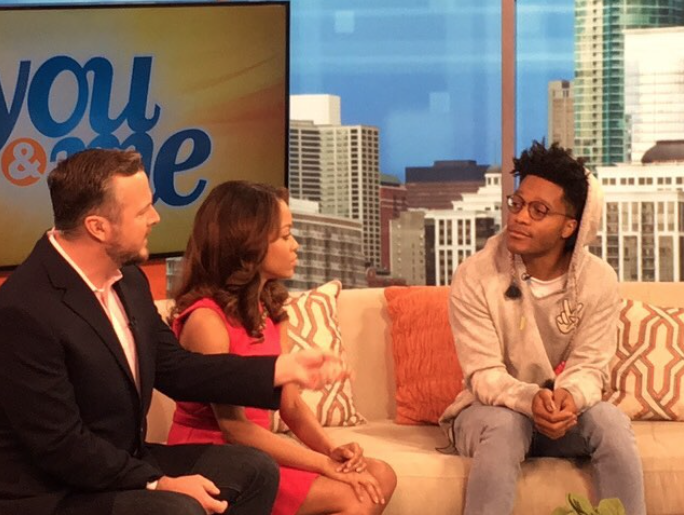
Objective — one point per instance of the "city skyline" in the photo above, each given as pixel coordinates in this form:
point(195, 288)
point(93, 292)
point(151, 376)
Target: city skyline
point(547, 104)
point(443, 74)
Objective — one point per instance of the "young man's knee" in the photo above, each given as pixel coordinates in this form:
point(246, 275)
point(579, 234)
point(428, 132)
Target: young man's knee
point(504, 431)
point(605, 415)
point(504, 423)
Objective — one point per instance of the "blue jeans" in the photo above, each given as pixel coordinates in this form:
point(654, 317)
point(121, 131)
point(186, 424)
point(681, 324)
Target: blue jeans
point(499, 439)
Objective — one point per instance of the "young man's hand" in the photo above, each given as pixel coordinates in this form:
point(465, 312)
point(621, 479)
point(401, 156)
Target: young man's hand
point(565, 401)
point(553, 413)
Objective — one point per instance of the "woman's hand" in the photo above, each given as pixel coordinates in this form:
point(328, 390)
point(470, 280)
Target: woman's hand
point(350, 456)
point(363, 483)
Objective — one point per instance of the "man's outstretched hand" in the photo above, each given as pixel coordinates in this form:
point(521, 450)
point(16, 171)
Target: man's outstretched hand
point(310, 369)
point(554, 413)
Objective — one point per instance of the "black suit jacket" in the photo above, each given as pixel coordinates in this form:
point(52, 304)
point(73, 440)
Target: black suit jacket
point(71, 418)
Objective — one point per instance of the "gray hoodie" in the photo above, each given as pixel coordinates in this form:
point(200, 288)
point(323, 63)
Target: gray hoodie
point(504, 346)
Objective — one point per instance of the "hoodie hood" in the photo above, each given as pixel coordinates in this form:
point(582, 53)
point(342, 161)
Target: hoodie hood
point(588, 229)
point(591, 216)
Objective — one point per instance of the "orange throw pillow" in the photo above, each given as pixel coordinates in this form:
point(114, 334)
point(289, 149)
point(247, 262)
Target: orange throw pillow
point(427, 372)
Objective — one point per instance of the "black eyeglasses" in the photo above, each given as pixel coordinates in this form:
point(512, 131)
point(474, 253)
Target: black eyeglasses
point(537, 210)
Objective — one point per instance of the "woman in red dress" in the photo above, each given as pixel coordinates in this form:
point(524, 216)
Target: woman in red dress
point(231, 300)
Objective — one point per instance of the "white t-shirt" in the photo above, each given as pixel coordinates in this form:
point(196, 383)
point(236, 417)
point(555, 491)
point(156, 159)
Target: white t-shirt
point(545, 288)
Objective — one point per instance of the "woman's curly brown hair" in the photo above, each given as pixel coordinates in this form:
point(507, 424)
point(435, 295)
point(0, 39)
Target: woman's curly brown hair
point(230, 237)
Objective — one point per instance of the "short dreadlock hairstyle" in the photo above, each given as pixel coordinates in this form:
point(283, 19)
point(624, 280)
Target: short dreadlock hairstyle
point(557, 165)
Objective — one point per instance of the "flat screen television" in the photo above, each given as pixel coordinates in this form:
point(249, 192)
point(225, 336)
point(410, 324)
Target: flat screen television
point(199, 89)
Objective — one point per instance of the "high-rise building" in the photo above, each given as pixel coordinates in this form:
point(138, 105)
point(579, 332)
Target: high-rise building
point(318, 109)
point(392, 203)
point(437, 186)
point(329, 248)
point(561, 127)
point(642, 233)
point(600, 128)
point(654, 87)
point(336, 165)
point(407, 239)
point(305, 161)
point(463, 230)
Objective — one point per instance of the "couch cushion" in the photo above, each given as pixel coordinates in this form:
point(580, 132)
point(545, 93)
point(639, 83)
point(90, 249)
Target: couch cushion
point(313, 324)
point(431, 482)
point(428, 375)
point(647, 373)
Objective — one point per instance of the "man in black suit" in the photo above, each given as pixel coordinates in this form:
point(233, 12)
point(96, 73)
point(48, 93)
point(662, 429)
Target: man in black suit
point(81, 348)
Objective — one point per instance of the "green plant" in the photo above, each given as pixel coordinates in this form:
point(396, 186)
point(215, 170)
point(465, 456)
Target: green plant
point(581, 506)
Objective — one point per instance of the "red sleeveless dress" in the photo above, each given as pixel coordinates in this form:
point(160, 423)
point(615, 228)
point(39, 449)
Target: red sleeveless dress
point(195, 423)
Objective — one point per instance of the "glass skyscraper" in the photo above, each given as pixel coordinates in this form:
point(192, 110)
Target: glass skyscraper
point(601, 134)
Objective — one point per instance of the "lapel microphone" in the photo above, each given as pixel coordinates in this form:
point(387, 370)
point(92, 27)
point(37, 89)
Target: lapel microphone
point(513, 292)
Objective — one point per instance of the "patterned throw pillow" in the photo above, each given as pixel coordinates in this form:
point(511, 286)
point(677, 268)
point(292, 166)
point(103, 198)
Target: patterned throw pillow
point(647, 373)
point(313, 324)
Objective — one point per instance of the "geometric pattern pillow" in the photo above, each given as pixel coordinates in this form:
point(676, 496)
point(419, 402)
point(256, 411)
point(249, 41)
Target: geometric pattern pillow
point(313, 324)
point(647, 373)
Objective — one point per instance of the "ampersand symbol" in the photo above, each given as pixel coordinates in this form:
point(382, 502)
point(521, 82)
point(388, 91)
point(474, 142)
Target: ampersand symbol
point(22, 166)
point(23, 162)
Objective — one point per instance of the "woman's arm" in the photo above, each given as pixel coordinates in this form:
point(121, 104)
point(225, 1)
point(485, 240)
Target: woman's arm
point(304, 424)
point(205, 332)
point(237, 429)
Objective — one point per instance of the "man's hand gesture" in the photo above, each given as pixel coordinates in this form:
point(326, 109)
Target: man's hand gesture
point(311, 368)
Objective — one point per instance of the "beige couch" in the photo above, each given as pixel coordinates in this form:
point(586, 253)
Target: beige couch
point(434, 483)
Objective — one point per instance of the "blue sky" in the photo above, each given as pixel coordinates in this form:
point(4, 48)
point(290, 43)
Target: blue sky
point(427, 72)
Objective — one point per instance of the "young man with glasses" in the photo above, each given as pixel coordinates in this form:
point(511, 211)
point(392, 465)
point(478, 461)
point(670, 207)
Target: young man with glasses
point(534, 319)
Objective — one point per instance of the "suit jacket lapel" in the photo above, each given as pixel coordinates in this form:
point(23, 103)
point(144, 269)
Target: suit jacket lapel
point(82, 301)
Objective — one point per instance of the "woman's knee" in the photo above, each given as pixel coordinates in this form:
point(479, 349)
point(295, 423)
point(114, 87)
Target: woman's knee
point(385, 476)
point(332, 496)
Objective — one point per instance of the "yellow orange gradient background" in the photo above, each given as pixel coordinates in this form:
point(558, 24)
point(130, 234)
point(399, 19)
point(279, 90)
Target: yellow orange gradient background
point(221, 68)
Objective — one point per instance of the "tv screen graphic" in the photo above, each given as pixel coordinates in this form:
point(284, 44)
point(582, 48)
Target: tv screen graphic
point(200, 90)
